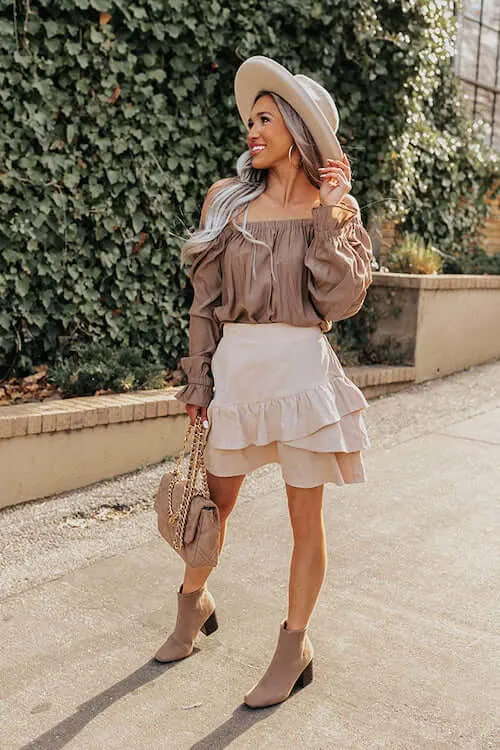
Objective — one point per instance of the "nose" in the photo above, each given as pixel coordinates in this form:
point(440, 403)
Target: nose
point(253, 132)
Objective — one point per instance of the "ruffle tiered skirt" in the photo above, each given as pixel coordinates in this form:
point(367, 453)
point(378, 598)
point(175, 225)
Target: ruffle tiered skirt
point(282, 396)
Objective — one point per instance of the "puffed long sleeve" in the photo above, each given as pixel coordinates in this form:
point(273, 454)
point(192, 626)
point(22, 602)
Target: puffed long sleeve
point(204, 329)
point(338, 261)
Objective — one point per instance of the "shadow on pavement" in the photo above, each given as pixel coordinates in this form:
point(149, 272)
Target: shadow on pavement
point(62, 733)
point(242, 719)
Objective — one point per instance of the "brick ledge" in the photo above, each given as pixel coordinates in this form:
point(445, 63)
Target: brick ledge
point(90, 411)
point(82, 412)
point(367, 375)
point(439, 281)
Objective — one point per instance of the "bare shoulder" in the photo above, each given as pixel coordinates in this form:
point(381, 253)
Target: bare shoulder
point(212, 192)
point(219, 184)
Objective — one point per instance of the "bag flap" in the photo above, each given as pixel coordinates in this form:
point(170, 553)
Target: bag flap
point(199, 505)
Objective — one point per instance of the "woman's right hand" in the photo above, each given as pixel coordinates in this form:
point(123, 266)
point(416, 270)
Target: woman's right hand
point(193, 410)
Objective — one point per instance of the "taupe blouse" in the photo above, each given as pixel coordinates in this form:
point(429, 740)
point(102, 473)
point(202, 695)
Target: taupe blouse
point(313, 270)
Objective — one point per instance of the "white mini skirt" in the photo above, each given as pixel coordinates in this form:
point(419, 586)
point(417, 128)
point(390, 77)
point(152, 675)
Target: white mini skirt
point(282, 396)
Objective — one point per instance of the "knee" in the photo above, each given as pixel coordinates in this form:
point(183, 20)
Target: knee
point(307, 526)
point(309, 536)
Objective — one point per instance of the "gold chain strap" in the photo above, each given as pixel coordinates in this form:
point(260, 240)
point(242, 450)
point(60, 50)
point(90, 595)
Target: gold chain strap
point(172, 515)
point(196, 465)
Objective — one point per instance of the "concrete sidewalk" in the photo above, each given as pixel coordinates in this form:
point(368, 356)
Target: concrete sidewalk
point(406, 646)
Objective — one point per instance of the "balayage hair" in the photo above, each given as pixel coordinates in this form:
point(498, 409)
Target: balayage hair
point(249, 183)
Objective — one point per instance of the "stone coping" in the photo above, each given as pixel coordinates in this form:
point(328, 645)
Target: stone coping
point(91, 411)
point(78, 413)
point(366, 375)
point(439, 281)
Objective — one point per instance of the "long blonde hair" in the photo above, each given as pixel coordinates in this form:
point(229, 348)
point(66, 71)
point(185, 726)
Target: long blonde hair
point(249, 183)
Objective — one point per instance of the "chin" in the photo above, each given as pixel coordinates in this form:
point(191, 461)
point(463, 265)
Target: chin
point(261, 163)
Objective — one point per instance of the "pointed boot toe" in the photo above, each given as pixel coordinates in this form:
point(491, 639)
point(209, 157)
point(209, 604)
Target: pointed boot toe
point(195, 613)
point(172, 650)
point(291, 666)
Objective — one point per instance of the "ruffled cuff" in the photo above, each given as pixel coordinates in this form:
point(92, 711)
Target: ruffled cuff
point(199, 389)
point(192, 393)
point(324, 219)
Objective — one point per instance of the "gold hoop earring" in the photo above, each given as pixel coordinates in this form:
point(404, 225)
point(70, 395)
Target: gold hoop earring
point(290, 156)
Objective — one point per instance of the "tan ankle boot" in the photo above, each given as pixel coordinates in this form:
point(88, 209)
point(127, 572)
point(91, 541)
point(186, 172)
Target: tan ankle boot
point(291, 665)
point(195, 612)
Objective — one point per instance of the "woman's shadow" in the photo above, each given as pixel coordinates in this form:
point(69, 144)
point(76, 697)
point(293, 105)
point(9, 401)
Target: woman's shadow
point(59, 736)
point(242, 719)
point(62, 733)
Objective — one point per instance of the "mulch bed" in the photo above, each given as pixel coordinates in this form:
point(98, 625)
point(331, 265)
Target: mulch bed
point(31, 388)
point(36, 388)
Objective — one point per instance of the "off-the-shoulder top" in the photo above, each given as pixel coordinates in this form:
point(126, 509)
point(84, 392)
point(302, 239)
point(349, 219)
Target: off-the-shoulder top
point(311, 271)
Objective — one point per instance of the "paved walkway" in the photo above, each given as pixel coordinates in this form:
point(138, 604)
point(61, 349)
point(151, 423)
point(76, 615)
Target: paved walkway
point(404, 630)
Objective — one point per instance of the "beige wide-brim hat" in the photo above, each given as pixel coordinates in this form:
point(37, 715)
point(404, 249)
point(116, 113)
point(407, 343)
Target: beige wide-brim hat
point(311, 100)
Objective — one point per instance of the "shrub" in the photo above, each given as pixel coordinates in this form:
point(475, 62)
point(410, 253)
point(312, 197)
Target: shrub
point(87, 368)
point(411, 254)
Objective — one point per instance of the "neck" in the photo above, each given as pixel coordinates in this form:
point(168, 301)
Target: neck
point(288, 186)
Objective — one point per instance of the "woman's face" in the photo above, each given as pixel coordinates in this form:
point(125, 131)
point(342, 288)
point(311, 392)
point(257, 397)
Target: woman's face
point(267, 129)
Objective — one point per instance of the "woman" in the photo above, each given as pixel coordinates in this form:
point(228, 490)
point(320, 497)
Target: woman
point(280, 244)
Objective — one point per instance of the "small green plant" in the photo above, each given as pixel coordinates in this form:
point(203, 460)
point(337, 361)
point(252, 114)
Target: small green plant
point(412, 254)
point(476, 262)
point(87, 368)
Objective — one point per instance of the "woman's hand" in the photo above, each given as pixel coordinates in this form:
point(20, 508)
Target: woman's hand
point(193, 410)
point(339, 172)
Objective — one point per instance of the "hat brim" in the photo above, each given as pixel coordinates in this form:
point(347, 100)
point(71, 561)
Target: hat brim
point(260, 72)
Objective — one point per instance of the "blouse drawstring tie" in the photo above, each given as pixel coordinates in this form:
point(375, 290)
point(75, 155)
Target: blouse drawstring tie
point(254, 253)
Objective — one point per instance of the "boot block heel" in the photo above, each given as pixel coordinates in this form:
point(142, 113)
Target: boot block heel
point(306, 677)
point(210, 625)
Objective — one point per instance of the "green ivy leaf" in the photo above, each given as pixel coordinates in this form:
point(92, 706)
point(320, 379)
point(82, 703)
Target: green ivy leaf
point(120, 146)
point(71, 180)
point(138, 221)
point(158, 75)
point(22, 285)
point(52, 28)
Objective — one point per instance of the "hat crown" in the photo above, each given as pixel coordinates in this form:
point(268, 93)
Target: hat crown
point(309, 99)
point(322, 98)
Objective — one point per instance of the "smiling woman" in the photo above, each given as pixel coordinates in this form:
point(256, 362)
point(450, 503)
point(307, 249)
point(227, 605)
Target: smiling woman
point(281, 252)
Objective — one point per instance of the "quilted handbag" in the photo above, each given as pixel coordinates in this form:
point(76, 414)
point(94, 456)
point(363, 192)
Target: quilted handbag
point(187, 518)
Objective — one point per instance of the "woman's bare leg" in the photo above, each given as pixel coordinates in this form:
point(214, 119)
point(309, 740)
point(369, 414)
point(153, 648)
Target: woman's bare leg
point(309, 560)
point(224, 492)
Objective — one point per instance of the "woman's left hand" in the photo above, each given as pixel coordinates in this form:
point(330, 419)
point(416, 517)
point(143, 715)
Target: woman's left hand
point(338, 171)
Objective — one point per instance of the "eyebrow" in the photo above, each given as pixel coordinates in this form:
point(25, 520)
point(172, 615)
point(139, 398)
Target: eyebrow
point(261, 113)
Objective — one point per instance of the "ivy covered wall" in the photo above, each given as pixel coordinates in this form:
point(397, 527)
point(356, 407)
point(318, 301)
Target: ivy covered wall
point(117, 116)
